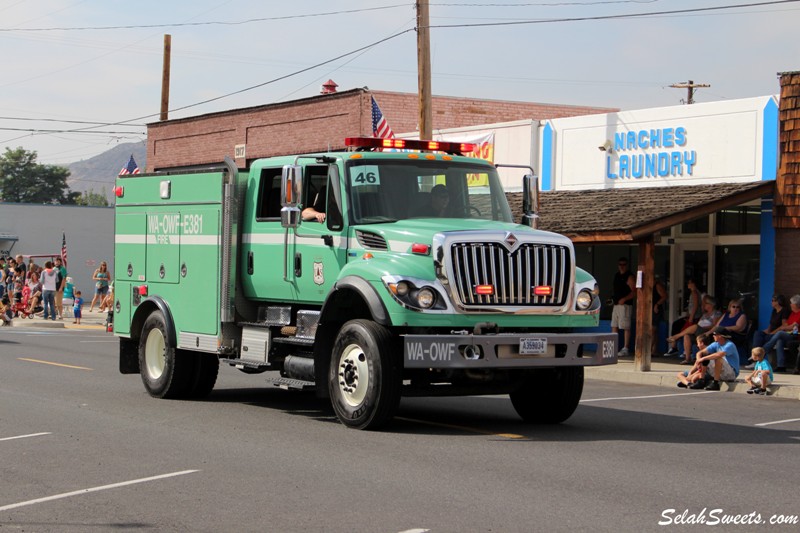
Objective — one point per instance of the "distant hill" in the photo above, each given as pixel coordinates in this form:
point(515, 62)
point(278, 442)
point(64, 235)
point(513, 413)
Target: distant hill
point(100, 171)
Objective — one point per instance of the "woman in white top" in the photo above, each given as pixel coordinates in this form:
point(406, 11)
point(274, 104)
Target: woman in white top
point(49, 289)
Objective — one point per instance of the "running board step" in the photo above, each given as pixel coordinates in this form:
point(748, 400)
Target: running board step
point(291, 384)
point(300, 341)
point(244, 363)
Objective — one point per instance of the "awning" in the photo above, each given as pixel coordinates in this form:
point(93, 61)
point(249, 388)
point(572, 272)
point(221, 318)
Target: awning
point(626, 215)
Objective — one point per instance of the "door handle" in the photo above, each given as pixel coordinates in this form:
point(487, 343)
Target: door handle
point(250, 263)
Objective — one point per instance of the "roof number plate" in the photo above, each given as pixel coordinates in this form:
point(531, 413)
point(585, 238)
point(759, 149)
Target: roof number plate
point(532, 346)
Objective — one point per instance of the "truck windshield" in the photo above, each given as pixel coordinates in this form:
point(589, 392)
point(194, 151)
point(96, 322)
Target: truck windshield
point(390, 190)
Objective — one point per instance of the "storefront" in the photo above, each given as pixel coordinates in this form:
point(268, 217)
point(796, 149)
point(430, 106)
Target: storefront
point(696, 181)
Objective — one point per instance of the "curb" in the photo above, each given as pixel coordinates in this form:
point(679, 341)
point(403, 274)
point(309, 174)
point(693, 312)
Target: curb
point(666, 378)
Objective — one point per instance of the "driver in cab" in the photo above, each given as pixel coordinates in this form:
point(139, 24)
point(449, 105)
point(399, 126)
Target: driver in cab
point(439, 203)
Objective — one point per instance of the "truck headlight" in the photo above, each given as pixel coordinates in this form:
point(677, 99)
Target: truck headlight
point(416, 294)
point(584, 300)
point(401, 288)
point(426, 297)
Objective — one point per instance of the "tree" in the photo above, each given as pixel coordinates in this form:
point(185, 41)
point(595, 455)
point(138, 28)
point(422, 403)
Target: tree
point(23, 180)
point(93, 198)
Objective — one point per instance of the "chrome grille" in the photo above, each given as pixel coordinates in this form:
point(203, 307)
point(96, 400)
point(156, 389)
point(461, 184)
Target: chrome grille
point(513, 275)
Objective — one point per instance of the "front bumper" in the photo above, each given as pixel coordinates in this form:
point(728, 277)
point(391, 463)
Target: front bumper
point(503, 350)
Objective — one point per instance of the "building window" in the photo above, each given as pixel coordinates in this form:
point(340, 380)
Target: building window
point(697, 226)
point(743, 220)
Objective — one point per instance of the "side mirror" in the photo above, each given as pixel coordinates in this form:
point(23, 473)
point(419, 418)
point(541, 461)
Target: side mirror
point(530, 200)
point(291, 193)
point(291, 185)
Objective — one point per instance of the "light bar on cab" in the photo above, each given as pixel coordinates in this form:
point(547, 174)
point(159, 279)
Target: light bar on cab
point(410, 144)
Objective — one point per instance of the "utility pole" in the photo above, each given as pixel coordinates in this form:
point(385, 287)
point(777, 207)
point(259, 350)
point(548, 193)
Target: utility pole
point(424, 70)
point(165, 77)
point(690, 86)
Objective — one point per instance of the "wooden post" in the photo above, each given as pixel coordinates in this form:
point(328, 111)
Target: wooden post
point(424, 70)
point(645, 279)
point(165, 77)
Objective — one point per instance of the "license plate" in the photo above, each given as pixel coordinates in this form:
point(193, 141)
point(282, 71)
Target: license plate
point(532, 346)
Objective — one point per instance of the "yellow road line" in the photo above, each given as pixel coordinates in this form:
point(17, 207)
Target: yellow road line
point(54, 364)
point(464, 428)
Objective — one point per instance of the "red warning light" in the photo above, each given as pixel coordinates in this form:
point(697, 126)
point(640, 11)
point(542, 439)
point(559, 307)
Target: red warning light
point(484, 289)
point(410, 144)
point(543, 290)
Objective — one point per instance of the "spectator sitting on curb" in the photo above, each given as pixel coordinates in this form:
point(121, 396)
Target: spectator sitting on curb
point(722, 357)
point(784, 334)
point(762, 375)
point(6, 314)
point(696, 374)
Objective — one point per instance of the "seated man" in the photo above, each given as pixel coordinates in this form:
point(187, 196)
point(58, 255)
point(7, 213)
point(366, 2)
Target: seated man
point(439, 201)
point(316, 211)
point(722, 357)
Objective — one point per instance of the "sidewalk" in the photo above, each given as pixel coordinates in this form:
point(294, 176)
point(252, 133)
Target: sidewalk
point(94, 320)
point(663, 372)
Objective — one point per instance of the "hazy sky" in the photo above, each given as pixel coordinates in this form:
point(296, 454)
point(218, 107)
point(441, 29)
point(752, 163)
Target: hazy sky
point(62, 60)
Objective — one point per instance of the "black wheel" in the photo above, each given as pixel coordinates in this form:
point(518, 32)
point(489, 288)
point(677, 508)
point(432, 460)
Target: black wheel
point(164, 373)
point(204, 375)
point(549, 395)
point(364, 378)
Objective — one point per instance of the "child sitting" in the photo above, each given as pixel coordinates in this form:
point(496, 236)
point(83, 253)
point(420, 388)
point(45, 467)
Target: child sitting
point(762, 375)
point(5, 311)
point(696, 377)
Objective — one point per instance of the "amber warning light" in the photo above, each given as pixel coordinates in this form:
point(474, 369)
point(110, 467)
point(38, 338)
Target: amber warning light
point(410, 144)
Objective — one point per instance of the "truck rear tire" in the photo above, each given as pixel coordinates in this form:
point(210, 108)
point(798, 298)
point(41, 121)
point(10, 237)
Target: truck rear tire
point(364, 378)
point(549, 395)
point(165, 372)
point(204, 375)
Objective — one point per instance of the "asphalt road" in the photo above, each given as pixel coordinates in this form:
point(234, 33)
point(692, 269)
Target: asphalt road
point(84, 448)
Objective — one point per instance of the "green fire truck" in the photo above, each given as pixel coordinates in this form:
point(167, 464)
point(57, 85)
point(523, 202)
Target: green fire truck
point(390, 292)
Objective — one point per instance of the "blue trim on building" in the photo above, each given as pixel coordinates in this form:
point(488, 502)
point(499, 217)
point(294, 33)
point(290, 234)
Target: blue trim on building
point(769, 172)
point(547, 157)
point(766, 270)
point(769, 149)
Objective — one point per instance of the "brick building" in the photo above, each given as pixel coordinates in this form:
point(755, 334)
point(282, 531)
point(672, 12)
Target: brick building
point(319, 123)
point(787, 194)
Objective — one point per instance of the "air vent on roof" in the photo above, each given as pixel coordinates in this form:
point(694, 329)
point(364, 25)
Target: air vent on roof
point(371, 240)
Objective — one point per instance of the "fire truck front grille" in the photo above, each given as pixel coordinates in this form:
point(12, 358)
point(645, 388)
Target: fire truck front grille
point(533, 275)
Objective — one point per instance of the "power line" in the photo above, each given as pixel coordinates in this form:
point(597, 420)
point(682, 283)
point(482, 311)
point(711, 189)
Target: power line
point(615, 17)
point(547, 4)
point(279, 78)
point(62, 120)
point(208, 23)
point(35, 130)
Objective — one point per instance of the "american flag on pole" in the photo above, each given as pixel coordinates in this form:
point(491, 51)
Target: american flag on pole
point(380, 128)
point(130, 168)
point(64, 248)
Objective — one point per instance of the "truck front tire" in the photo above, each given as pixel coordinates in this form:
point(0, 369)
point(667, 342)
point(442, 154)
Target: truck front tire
point(364, 378)
point(549, 396)
point(165, 373)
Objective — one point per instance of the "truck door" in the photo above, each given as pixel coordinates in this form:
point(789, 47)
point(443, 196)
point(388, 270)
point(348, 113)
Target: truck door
point(320, 250)
point(263, 252)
